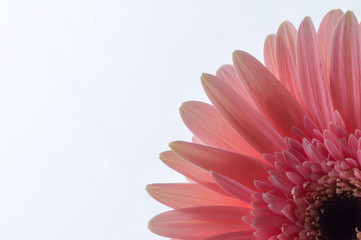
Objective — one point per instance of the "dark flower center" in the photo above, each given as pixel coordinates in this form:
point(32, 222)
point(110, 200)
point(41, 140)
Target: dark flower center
point(339, 217)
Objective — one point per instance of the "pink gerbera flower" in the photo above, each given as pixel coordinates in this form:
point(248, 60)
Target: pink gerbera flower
point(278, 155)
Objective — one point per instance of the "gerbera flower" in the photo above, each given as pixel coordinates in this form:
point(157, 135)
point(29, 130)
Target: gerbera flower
point(278, 154)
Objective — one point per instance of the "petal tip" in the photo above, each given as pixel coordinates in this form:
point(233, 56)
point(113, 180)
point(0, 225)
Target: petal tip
point(183, 107)
point(306, 21)
point(270, 37)
point(206, 78)
point(222, 70)
point(335, 11)
point(285, 24)
point(151, 225)
point(175, 145)
point(350, 16)
point(205, 75)
point(149, 188)
point(240, 57)
point(237, 53)
point(285, 27)
point(165, 156)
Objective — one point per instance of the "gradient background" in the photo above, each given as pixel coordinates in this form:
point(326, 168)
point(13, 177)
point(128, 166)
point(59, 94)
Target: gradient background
point(89, 97)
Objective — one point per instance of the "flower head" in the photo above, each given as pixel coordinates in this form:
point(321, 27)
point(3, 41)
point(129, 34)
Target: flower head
point(278, 154)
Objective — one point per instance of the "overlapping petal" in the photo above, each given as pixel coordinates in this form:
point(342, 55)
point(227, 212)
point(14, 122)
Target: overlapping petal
point(272, 99)
point(345, 70)
point(325, 36)
point(190, 171)
point(312, 77)
point(242, 117)
point(286, 59)
point(212, 129)
point(281, 147)
point(183, 195)
point(199, 222)
point(241, 168)
point(229, 76)
point(269, 54)
point(241, 235)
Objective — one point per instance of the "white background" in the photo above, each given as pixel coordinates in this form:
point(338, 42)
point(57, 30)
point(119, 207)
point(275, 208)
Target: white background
point(89, 96)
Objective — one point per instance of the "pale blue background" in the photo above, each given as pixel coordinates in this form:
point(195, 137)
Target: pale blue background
point(89, 96)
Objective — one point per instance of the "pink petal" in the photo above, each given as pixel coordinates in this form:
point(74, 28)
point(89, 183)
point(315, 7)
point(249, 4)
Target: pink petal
point(199, 222)
point(269, 53)
point(266, 235)
point(183, 195)
point(196, 139)
point(241, 235)
point(312, 77)
point(282, 185)
point(271, 220)
point(345, 75)
point(234, 188)
point(286, 59)
point(325, 36)
point(334, 150)
point(190, 171)
point(241, 168)
point(243, 118)
point(212, 129)
point(229, 76)
point(272, 99)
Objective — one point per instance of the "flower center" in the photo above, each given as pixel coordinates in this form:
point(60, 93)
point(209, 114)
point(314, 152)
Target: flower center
point(340, 216)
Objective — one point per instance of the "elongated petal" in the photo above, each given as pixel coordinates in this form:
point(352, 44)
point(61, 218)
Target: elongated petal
point(238, 167)
point(241, 235)
point(199, 222)
point(190, 171)
point(243, 118)
point(272, 99)
point(325, 36)
point(212, 129)
point(229, 76)
point(271, 220)
point(345, 75)
point(286, 59)
point(234, 188)
point(269, 54)
point(311, 75)
point(183, 195)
